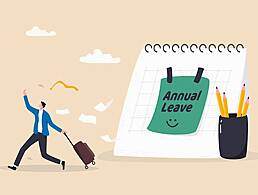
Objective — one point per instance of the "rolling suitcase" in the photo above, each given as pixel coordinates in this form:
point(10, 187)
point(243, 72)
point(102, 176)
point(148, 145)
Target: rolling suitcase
point(84, 152)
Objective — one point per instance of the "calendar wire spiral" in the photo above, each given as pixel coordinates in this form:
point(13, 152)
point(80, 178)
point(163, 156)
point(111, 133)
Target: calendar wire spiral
point(192, 47)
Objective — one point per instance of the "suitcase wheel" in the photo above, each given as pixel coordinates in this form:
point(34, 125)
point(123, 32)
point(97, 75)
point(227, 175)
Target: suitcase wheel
point(86, 167)
point(93, 162)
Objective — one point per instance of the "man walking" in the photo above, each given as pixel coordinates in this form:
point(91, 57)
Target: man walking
point(40, 133)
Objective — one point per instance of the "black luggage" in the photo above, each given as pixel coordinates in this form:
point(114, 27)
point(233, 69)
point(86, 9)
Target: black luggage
point(84, 152)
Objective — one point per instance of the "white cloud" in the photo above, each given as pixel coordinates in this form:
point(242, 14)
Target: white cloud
point(37, 32)
point(99, 57)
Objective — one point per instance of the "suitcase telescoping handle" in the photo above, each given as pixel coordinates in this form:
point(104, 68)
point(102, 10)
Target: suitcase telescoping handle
point(68, 138)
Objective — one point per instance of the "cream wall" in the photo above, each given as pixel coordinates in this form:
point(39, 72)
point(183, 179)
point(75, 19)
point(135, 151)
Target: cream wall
point(121, 28)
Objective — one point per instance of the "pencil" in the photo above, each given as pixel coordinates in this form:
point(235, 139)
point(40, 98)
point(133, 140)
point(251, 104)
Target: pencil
point(219, 102)
point(241, 101)
point(246, 107)
point(225, 103)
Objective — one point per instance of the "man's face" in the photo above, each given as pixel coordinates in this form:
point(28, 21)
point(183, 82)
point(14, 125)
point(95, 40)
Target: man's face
point(40, 106)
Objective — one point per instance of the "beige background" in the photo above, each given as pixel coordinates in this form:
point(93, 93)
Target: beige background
point(121, 28)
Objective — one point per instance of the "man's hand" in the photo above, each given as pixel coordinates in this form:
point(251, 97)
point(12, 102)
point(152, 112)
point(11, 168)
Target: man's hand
point(63, 131)
point(24, 92)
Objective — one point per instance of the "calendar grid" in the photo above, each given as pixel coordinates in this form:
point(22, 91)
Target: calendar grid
point(151, 78)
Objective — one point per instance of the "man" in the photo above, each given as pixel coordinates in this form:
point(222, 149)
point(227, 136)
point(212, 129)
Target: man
point(40, 133)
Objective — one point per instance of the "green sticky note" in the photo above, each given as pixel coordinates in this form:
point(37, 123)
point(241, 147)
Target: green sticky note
point(180, 105)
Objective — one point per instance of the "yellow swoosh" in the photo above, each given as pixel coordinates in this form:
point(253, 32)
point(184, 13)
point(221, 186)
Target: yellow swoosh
point(66, 86)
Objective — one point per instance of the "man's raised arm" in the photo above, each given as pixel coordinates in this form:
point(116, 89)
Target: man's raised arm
point(27, 103)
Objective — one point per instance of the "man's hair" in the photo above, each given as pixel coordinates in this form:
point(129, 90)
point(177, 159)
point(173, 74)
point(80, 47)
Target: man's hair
point(43, 104)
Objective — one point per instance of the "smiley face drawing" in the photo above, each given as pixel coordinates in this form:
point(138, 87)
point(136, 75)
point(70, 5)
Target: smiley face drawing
point(172, 125)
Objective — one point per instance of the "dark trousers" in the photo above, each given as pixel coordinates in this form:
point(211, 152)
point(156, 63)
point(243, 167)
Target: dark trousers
point(43, 148)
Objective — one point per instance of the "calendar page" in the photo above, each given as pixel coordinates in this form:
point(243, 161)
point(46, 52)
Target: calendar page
point(225, 67)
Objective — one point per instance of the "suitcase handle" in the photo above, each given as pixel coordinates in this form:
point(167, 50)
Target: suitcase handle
point(68, 138)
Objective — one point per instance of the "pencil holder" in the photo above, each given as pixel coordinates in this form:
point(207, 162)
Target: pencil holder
point(233, 136)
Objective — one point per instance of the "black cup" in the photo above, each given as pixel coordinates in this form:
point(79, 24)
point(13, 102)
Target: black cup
point(233, 136)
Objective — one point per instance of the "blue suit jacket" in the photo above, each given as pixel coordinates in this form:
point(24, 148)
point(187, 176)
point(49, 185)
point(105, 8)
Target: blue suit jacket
point(46, 120)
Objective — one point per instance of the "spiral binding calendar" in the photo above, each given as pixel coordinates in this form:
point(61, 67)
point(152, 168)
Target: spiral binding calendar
point(224, 65)
point(174, 47)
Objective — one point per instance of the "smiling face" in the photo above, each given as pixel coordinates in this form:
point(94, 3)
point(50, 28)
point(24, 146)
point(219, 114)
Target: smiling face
point(172, 123)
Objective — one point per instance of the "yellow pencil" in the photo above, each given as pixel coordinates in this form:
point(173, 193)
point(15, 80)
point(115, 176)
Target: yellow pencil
point(219, 102)
point(241, 101)
point(245, 107)
point(225, 103)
